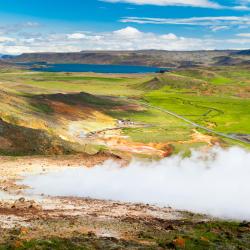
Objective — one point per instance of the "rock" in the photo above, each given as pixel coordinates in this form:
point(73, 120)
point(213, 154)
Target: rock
point(22, 199)
point(91, 234)
point(21, 204)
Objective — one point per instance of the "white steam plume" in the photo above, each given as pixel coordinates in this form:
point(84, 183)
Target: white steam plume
point(215, 183)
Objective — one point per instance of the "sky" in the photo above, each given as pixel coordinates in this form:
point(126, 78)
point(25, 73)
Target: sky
point(76, 25)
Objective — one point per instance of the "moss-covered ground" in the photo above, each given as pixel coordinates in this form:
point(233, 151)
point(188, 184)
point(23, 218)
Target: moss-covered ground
point(160, 235)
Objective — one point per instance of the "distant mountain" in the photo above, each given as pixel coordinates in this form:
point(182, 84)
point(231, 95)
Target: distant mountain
point(244, 52)
point(227, 61)
point(159, 58)
point(3, 56)
point(4, 64)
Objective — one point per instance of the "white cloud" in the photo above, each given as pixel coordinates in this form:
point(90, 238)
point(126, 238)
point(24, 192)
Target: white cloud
point(196, 21)
point(218, 28)
point(169, 36)
point(192, 3)
point(244, 35)
point(20, 27)
point(215, 24)
point(128, 32)
point(244, 2)
point(6, 39)
point(31, 24)
point(128, 38)
point(76, 36)
point(243, 5)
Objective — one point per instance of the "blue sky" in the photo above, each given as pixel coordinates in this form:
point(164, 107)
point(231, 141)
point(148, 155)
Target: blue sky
point(63, 25)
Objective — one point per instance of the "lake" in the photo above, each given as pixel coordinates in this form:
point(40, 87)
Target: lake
point(96, 68)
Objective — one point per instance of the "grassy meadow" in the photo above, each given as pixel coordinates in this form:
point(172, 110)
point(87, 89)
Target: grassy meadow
point(218, 98)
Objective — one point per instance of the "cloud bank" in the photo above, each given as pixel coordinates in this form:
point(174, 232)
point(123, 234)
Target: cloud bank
point(192, 3)
point(215, 183)
point(243, 5)
point(128, 38)
point(213, 23)
point(195, 21)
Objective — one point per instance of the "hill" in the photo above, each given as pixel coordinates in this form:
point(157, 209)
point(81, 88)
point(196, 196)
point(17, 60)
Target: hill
point(160, 58)
point(86, 112)
point(244, 52)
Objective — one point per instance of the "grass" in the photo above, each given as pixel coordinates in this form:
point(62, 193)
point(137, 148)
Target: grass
point(162, 128)
point(214, 97)
point(217, 98)
point(77, 82)
point(211, 235)
point(80, 242)
point(168, 235)
point(221, 101)
point(172, 80)
point(73, 78)
point(42, 108)
point(221, 80)
point(226, 114)
point(219, 75)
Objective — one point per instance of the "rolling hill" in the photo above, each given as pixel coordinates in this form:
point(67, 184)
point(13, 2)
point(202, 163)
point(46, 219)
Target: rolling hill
point(160, 58)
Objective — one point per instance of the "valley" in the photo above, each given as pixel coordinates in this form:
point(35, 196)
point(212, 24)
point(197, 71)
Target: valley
point(53, 121)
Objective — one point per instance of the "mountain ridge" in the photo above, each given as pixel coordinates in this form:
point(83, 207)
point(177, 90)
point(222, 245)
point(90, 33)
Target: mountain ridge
point(159, 58)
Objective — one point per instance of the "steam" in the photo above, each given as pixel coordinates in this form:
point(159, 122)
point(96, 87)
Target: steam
point(215, 183)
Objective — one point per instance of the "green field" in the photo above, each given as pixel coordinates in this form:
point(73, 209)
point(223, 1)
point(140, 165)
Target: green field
point(74, 82)
point(217, 98)
point(225, 113)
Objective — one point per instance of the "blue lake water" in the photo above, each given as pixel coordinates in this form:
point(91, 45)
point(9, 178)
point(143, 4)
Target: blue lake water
point(96, 68)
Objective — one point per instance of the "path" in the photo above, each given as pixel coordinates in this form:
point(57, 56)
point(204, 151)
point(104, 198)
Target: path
point(191, 122)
